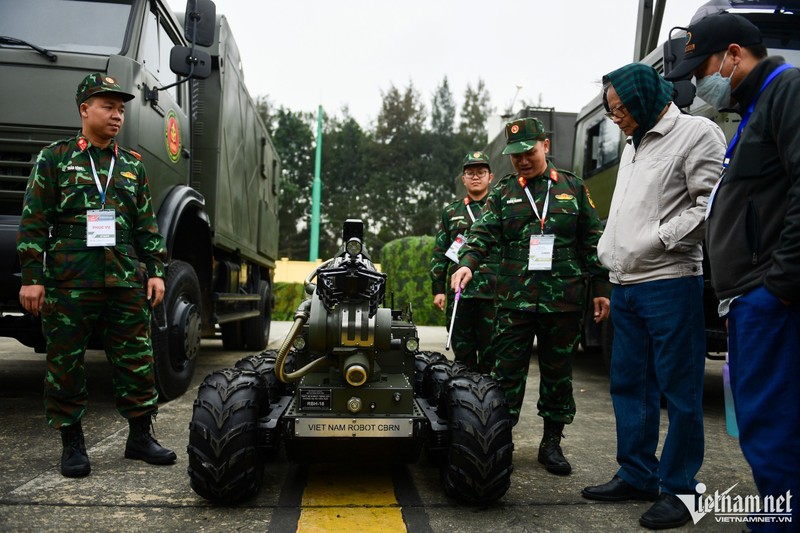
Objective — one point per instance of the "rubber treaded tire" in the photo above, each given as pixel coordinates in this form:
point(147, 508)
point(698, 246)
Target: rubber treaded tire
point(263, 364)
point(479, 463)
point(175, 349)
point(435, 378)
point(255, 330)
point(421, 362)
point(225, 465)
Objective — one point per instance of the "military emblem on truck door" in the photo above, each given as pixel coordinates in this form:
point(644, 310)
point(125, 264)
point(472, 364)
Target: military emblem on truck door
point(172, 133)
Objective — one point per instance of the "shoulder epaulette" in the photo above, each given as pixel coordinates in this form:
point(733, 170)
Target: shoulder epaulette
point(568, 173)
point(134, 153)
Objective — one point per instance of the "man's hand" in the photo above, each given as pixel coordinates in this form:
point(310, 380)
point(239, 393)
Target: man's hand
point(438, 301)
point(155, 291)
point(602, 309)
point(460, 278)
point(32, 298)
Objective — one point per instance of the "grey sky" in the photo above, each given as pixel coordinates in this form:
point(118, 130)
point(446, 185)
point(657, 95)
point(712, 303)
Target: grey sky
point(337, 53)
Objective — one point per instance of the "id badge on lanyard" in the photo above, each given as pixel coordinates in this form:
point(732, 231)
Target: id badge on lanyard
point(452, 252)
point(540, 251)
point(101, 223)
point(540, 254)
point(100, 227)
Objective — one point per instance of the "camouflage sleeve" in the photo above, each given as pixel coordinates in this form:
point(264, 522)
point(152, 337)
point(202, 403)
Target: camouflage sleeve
point(590, 229)
point(439, 262)
point(149, 243)
point(484, 233)
point(37, 212)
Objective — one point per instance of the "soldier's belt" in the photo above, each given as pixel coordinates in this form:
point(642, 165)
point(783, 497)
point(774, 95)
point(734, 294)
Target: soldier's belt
point(521, 254)
point(78, 231)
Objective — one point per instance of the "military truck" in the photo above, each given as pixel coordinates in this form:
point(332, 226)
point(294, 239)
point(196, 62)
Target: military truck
point(213, 170)
point(599, 142)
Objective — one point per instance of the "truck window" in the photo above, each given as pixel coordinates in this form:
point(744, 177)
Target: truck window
point(602, 146)
point(157, 42)
point(56, 30)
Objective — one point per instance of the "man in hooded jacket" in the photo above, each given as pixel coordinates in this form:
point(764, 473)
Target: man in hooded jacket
point(652, 247)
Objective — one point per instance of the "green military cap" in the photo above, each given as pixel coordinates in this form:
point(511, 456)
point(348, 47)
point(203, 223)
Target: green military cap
point(99, 83)
point(476, 158)
point(523, 134)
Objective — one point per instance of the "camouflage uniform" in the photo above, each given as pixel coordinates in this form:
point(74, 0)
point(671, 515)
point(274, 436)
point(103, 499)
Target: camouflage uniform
point(472, 328)
point(91, 288)
point(547, 305)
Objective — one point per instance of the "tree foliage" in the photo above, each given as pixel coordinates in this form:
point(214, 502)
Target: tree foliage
point(396, 176)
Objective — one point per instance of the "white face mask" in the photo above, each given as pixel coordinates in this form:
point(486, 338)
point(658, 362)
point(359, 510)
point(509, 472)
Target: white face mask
point(715, 89)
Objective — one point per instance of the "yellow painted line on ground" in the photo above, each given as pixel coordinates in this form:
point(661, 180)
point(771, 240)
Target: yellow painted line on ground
point(349, 498)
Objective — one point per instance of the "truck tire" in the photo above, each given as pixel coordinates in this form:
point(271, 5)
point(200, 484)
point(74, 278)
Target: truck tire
point(478, 466)
point(232, 335)
point(176, 346)
point(255, 330)
point(225, 465)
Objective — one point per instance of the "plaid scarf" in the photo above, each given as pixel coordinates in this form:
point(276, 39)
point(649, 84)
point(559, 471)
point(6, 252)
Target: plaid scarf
point(643, 92)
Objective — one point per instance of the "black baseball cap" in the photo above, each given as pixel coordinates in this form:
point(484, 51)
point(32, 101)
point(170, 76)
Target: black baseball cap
point(710, 35)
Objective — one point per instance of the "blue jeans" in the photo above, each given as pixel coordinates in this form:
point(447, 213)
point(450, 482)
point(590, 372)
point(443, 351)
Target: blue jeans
point(659, 348)
point(764, 353)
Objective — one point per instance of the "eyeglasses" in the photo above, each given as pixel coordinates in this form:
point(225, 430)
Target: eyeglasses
point(618, 112)
point(481, 173)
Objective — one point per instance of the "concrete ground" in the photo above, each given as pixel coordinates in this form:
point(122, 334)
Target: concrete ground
point(124, 495)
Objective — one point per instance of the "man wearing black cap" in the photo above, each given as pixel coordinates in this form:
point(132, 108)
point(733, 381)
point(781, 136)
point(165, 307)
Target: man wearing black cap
point(753, 241)
point(472, 327)
point(87, 223)
point(544, 225)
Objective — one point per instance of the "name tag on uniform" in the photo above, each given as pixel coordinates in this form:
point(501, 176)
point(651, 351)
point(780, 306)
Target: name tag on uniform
point(452, 252)
point(540, 253)
point(100, 227)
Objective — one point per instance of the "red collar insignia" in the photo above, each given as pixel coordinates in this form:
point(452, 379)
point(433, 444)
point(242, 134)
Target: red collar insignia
point(83, 144)
point(522, 181)
point(554, 175)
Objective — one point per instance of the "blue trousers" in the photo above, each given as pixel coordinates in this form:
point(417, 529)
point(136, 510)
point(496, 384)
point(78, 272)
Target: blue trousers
point(659, 348)
point(764, 354)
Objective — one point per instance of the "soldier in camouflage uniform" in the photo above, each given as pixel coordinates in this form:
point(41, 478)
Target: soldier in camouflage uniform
point(87, 223)
point(472, 328)
point(546, 229)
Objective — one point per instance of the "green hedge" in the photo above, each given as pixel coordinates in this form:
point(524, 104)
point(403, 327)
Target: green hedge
point(287, 297)
point(406, 262)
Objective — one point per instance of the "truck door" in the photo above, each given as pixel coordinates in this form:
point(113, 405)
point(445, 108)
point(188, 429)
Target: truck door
point(163, 120)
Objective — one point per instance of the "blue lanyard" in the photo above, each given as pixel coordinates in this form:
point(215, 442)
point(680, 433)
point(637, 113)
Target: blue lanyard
point(746, 117)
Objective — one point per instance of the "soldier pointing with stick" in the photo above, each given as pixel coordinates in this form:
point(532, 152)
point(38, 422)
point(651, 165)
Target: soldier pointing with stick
point(544, 224)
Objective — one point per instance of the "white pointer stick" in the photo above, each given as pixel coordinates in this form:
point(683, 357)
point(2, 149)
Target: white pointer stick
point(453, 318)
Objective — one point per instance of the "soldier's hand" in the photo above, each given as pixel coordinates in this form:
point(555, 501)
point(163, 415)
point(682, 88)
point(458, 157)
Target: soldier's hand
point(32, 298)
point(155, 291)
point(460, 278)
point(438, 301)
point(602, 309)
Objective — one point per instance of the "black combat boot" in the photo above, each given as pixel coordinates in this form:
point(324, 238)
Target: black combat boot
point(74, 460)
point(550, 454)
point(143, 445)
